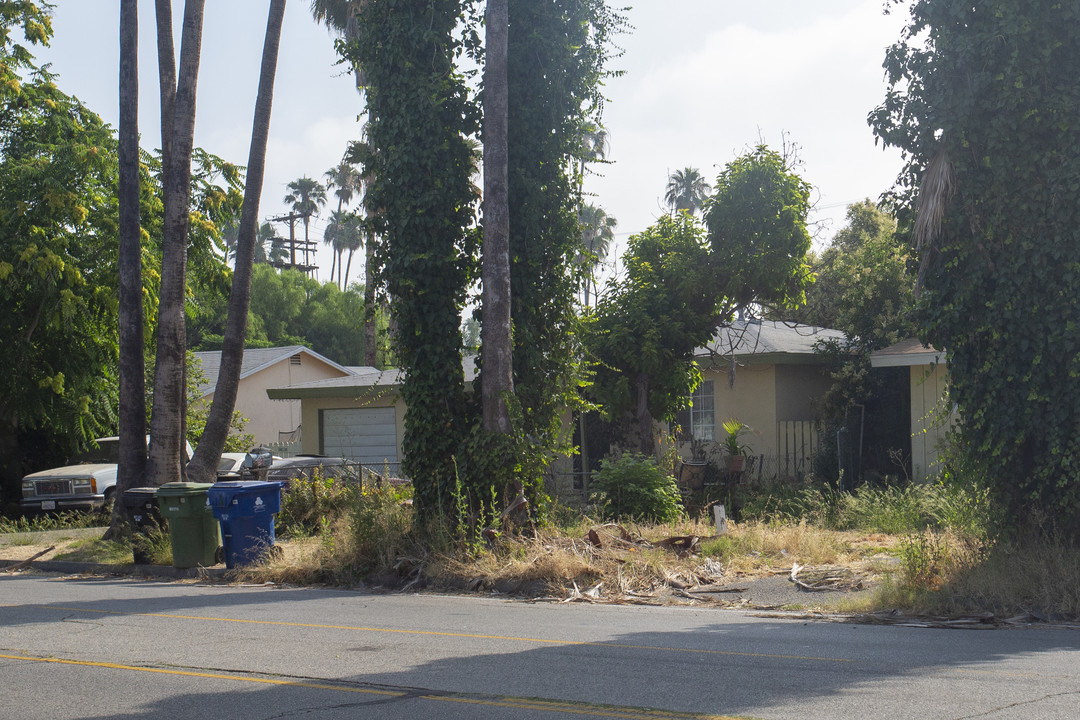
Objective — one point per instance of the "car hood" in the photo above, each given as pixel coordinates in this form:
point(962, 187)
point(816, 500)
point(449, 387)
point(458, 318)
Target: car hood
point(73, 471)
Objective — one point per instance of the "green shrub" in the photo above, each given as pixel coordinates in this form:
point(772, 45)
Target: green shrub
point(310, 504)
point(381, 520)
point(634, 487)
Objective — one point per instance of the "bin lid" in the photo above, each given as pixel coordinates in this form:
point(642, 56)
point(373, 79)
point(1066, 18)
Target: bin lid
point(140, 491)
point(182, 489)
point(238, 487)
point(221, 493)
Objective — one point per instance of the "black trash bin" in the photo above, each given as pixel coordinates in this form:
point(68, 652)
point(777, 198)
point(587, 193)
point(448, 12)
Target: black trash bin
point(142, 512)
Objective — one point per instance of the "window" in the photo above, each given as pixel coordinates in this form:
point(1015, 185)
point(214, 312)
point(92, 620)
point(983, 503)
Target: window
point(698, 422)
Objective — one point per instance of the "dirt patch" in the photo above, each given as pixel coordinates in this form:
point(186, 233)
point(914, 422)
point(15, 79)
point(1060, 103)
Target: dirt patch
point(24, 545)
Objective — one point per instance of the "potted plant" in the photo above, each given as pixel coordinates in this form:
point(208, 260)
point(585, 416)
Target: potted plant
point(737, 449)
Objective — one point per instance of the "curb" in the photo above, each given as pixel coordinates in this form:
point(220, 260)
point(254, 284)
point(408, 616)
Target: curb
point(145, 571)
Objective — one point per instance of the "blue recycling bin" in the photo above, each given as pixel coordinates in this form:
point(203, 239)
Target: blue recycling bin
point(246, 510)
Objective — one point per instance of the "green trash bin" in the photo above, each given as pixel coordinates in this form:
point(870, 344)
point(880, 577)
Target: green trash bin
point(193, 530)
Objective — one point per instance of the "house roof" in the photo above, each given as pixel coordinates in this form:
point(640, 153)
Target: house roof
point(363, 381)
point(255, 359)
point(905, 354)
point(769, 342)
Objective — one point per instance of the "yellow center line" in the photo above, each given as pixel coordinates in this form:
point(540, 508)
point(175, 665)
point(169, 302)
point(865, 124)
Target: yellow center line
point(437, 633)
point(568, 708)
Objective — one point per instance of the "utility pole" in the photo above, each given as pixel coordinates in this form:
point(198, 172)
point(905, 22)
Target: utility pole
point(306, 247)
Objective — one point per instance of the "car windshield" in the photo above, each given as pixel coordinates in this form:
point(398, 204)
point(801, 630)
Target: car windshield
point(105, 451)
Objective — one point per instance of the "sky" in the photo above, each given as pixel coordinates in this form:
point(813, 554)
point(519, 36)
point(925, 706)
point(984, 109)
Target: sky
point(704, 81)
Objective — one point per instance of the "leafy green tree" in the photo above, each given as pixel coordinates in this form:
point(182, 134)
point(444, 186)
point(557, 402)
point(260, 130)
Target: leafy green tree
point(290, 308)
point(58, 265)
point(864, 286)
point(686, 190)
point(683, 281)
point(982, 101)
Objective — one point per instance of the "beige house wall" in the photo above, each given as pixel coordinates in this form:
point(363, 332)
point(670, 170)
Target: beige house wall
point(798, 388)
point(266, 417)
point(752, 400)
point(928, 428)
point(312, 416)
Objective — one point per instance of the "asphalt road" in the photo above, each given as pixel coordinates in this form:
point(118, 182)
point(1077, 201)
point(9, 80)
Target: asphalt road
point(121, 648)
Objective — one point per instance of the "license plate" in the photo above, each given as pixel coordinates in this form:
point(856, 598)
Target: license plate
point(48, 504)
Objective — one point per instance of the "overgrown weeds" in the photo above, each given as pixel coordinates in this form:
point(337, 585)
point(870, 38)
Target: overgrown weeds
point(66, 520)
point(896, 509)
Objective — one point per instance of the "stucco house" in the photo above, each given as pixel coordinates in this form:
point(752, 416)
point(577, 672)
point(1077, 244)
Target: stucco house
point(768, 375)
point(270, 421)
point(360, 417)
point(929, 417)
point(776, 373)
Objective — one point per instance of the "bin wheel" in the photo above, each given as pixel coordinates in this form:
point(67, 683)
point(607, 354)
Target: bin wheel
point(219, 555)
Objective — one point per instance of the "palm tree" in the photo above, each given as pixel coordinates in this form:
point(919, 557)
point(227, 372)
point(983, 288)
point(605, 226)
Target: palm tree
point(337, 235)
point(269, 246)
point(686, 190)
point(597, 234)
point(354, 240)
point(132, 417)
point(340, 16)
point(344, 178)
point(177, 96)
point(203, 465)
point(595, 145)
point(307, 196)
point(498, 372)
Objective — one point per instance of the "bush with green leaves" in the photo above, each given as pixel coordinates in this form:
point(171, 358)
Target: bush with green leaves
point(633, 487)
point(310, 503)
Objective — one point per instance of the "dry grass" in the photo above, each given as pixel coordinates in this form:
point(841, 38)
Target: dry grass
point(942, 573)
point(1036, 577)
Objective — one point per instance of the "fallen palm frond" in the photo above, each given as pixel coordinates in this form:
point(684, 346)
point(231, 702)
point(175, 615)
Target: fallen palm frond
point(826, 578)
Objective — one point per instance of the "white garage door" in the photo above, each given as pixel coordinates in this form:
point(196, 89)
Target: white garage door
point(366, 435)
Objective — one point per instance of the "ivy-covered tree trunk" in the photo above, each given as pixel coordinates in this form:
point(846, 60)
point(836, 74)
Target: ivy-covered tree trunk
point(203, 465)
point(132, 420)
point(420, 168)
point(984, 103)
point(556, 63)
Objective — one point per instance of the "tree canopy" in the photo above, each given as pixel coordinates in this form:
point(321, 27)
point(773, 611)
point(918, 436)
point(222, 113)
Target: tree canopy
point(683, 281)
point(58, 270)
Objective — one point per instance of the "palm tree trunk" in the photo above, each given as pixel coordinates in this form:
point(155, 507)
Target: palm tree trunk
point(203, 465)
point(348, 266)
point(167, 421)
point(132, 420)
point(497, 379)
point(166, 74)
